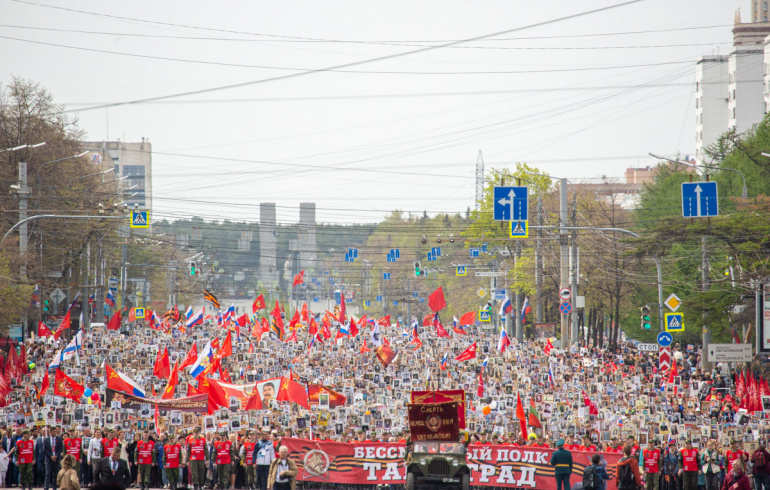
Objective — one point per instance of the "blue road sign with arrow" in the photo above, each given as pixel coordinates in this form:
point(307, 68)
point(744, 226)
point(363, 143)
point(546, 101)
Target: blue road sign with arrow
point(665, 339)
point(699, 199)
point(510, 203)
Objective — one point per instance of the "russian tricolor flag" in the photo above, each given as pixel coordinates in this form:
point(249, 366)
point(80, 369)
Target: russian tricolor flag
point(506, 306)
point(110, 299)
point(525, 309)
point(194, 319)
point(504, 341)
point(204, 359)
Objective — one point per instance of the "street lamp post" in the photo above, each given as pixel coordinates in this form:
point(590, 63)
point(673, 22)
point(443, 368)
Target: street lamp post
point(744, 194)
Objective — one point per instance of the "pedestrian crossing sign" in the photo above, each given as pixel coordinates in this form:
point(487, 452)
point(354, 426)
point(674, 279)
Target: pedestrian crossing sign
point(484, 316)
point(140, 219)
point(519, 229)
point(139, 313)
point(461, 270)
point(674, 322)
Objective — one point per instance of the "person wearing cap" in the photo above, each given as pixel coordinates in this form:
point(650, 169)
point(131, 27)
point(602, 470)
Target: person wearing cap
point(264, 454)
point(561, 459)
point(689, 470)
point(651, 458)
point(197, 456)
point(247, 459)
point(224, 453)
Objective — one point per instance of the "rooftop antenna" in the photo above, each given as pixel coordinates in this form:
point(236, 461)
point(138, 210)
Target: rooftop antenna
point(479, 180)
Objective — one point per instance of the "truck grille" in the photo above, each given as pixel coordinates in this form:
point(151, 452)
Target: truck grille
point(438, 467)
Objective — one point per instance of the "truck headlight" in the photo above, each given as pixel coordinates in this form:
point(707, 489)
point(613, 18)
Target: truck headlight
point(455, 462)
point(423, 461)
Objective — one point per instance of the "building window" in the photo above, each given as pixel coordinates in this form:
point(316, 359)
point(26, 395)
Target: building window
point(733, 112)
point(764, 7)
point(696, 102)
point(733, 94)
point(697, 86)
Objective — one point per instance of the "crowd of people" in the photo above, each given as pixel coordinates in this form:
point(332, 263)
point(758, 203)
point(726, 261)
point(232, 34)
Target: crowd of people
point(586, 397)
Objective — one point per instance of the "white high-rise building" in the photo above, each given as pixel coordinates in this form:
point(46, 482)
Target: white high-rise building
point(730, 93)
point(745, 97)
point(711, 116)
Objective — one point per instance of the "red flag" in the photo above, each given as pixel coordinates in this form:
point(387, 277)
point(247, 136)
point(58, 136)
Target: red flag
point(312, 328)
point(259, 304)
point(299, 278)
point(162, 367)
point(342, 317)
point(468, 318)
point(480, 391)
point(217, 396)
point(385, 354)
point(295, 320)
point(592, 409)
point(67, 387)
point(191, 390)
point(131, 315)
point(520, 415)
point(276, 313)
point(23, 366)
point(440, 330)
point(326, 331)
point(251, 347)
point(114, 323)
point(173, 380)
point(469, 353)
point(548, 347)
point(227, 347)
point(12, 364)
point(293, 336)
point(364, 347)
point(354, 327)
point(305, 315)
point(191, 357)
point(43, 330)
point(417, 342)
point(44, 385)
point(65, 324)
point(255, 401)
point(436, 300)
point(427, 320)
point(384, 321)
point(291, 391)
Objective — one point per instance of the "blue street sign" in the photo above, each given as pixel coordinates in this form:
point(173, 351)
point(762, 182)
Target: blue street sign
point(510, 203)
point(415, 294)
point(386, 276)
point(484, 247)
point(665, 339)
point(474, 252)
point(316, 299)
point(699, 199)
point(395, 303)
point(368, 303)
point(674, 322)
point(422, 300)
point(565, 307)
point(379, 298)
point(353, 252)
point(499, 293)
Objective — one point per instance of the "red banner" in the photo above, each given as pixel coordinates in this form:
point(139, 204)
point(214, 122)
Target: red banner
point(433, 421)
point(378, 463)
point(440, 397)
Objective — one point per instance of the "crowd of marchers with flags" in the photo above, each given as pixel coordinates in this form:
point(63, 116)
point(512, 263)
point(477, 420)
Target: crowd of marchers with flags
point(333, 376)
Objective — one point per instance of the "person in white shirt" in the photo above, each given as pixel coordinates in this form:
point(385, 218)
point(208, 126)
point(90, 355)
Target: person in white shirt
point(3, 465)
point(94, 452)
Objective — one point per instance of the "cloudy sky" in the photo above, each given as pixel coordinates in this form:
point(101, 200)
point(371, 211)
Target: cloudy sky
point(364, 107)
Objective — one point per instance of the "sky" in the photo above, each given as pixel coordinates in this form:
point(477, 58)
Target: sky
point(415, 91)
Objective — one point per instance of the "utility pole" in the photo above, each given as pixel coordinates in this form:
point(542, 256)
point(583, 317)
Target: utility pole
point(23, 194)
point(574, 269)
point(705, 286)
point(564, 269)
point(539, 262)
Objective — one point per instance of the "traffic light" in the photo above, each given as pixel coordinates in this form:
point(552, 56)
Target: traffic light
point(646, 319)
point(451, 238)
point(438, 238)
point(193, 268)
point(424, 240)
point(417, 269)
point(46, 306)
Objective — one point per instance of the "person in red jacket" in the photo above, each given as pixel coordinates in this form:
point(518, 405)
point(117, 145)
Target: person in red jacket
point(737, 479)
